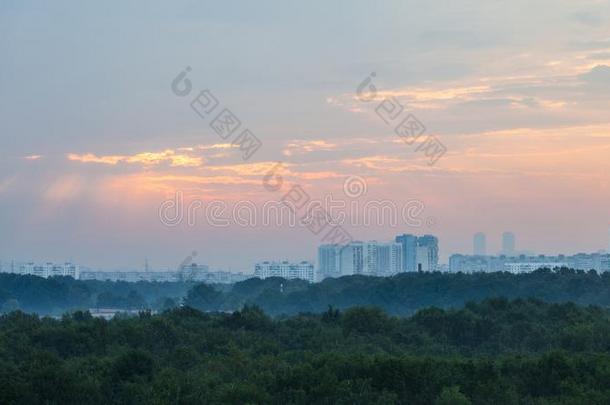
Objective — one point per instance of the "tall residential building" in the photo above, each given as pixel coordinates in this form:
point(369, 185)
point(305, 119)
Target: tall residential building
point(416, 259)
point(370, 258)
point(389, 259)
point(352, 259)
point(508, 243)
point(367, 258)
point(329, 261)
point(409, 248)
point(479, 243)
point(422, 260)
point(303, 270)
point(430, 243)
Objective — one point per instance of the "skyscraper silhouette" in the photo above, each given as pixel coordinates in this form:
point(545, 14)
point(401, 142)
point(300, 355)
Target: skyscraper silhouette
point(508, 243)
point(409, 251)
point(479, 243)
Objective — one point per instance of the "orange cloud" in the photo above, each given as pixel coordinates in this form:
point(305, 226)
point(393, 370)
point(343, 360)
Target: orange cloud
point(423, 94)
point(91, 158)
point(308, 146)
point(145, 158)
point(217, 146)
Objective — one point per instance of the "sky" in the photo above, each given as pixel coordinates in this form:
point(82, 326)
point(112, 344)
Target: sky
point(97, 142)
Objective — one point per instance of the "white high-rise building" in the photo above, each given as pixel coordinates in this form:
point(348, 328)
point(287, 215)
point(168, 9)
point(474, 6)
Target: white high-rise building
point(285, 269)
point(329, 261)
point(424, 259)
point(389, 258)
point(409, 245)
point(426, 254)
point(47, 270)
point(352, 259)
point(368, 258)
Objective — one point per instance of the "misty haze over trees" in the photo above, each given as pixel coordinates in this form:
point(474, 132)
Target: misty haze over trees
point(402, 294)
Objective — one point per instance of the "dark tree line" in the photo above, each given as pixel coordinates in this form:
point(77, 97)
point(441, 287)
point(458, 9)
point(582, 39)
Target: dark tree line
point(405, 293)
point(56, 295)
point(402, 294)
point(497, 351)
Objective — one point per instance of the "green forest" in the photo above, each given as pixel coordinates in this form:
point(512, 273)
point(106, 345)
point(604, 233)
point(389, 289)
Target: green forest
point(497, 351)
point(57, 295)
point(415, 338)
point(404, 293)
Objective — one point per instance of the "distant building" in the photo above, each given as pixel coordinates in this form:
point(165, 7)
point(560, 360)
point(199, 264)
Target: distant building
point(45, 270)
point(524, 263)
point(352, 259)
point(419, 253)
point(368, 258)
point(528, 267)
point(409, 250)
point(423, 261)
point(605, 262)
point(427, 253)
point(131, 276)
point(389, 259)
point(329, 261)
point(479, 244)
point(508, 243)
point(471, 264)
point(303, 270)
point(196, 273)
point(443, 268)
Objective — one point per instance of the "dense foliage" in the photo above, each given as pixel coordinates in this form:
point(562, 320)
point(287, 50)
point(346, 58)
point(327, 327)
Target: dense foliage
point(399, 295)
point(493, 352)
point(407, 292)
point(56, 295)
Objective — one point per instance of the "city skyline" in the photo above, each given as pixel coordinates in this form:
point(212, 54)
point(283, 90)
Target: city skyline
point(330, 264)
point(369, 258)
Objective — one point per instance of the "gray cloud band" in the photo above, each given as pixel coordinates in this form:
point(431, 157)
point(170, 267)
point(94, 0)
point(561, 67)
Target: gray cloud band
point(225, 123)
point(295, 206)
point(406, 126)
